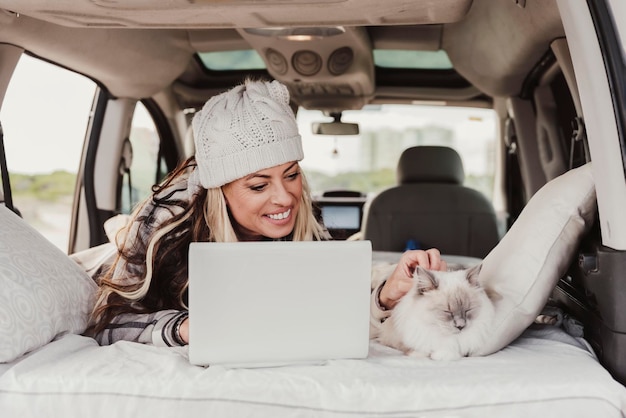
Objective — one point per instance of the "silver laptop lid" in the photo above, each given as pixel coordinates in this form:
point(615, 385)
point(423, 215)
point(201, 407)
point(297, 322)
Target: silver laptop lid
point(265, 303)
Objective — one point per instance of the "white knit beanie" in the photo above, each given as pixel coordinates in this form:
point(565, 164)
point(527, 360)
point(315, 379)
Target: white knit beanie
point(246, 129)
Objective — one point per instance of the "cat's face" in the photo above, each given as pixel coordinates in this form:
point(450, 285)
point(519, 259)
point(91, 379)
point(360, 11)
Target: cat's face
point(455, 297)
point(456, 311)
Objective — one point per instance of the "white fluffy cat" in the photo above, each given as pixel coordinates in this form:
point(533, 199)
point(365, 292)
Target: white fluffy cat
point(445, 316)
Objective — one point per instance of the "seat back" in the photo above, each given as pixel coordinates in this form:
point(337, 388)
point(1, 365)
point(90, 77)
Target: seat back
point(430, 208)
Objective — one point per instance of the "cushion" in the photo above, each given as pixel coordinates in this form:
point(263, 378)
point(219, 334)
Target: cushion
point(523, 269)
point(43, 294)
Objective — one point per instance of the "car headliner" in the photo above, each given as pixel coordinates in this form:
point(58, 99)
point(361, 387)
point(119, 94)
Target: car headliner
point(139, 48)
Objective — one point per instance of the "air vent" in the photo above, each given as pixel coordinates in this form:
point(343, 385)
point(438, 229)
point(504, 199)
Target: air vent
point(340, 60)
point(276, 61)
point(306, 63)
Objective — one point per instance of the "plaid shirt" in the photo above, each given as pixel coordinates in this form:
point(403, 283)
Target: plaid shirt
point(153, 328)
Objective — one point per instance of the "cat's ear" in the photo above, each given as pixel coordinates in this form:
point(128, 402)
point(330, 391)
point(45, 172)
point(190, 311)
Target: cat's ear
point(472, 275)
point(426, 281)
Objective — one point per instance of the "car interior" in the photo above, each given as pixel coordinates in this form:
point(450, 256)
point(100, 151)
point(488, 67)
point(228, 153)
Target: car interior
point(549, 72)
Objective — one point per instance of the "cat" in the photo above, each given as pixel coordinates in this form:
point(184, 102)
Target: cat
point(445, 316)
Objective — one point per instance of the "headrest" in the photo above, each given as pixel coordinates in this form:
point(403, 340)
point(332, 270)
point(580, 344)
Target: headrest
point(430, 164)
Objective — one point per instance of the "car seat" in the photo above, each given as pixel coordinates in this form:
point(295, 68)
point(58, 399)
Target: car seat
point(430, 208)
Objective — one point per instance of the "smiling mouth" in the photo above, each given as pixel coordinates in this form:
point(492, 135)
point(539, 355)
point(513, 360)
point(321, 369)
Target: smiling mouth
point(280, 216)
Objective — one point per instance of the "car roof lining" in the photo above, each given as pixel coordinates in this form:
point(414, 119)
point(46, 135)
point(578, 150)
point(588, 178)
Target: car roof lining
point(214, 14)
point(493, 45)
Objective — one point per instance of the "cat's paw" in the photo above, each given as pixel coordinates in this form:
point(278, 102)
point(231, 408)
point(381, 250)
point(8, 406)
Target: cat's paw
point(444, 355)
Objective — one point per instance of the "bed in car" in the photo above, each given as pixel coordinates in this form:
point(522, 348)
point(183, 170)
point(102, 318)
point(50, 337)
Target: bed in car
point(543, 373)
point(524, 369)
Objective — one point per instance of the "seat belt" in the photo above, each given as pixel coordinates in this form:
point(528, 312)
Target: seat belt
point(4, 173)
point(513, 179)
point(579, 136)
point(579, 148)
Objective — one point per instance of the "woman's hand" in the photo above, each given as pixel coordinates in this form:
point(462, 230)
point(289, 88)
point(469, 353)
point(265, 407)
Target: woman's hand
point(401, 280)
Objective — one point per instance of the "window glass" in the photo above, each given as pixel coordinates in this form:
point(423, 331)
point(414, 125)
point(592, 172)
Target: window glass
point(232, 60)
point(367, 162)
point(45, 114)
point(146, 167)
point(424, 60)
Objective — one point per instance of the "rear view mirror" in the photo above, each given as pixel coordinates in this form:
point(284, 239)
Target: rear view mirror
point(335, 128)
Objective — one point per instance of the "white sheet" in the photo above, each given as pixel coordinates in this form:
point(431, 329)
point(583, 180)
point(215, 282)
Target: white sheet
point(544, 373)
point(4, 367)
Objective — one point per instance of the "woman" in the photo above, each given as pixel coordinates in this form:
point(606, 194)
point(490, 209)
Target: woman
point(244, 184)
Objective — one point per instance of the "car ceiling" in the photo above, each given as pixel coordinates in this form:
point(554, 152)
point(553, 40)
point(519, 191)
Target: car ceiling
point(138, 48)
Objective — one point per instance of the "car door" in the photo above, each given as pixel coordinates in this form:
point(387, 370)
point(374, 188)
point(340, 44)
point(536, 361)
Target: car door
point(595, 289)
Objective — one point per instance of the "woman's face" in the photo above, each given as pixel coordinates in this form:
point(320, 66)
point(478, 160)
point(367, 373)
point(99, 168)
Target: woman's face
point(265, 203)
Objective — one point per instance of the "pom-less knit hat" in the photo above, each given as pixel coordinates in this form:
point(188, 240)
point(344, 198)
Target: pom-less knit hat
point(246, 129)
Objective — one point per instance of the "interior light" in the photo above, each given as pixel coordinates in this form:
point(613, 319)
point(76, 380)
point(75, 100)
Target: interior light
point(300, 37)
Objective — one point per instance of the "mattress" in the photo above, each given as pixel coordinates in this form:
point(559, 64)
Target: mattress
point(543, 373)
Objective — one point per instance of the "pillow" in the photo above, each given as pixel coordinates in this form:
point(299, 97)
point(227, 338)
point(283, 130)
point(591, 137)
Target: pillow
point(525, 266)
point(43, 293)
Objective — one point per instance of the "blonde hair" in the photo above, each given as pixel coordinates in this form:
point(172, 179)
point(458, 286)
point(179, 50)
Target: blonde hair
point(217, 218)
point(307, 228)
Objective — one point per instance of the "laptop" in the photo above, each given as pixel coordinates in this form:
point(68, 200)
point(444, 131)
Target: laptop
point(270, 303)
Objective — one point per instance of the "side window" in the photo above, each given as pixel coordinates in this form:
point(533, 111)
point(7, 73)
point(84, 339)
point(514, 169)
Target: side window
point(45, 114)
point(148, 166)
